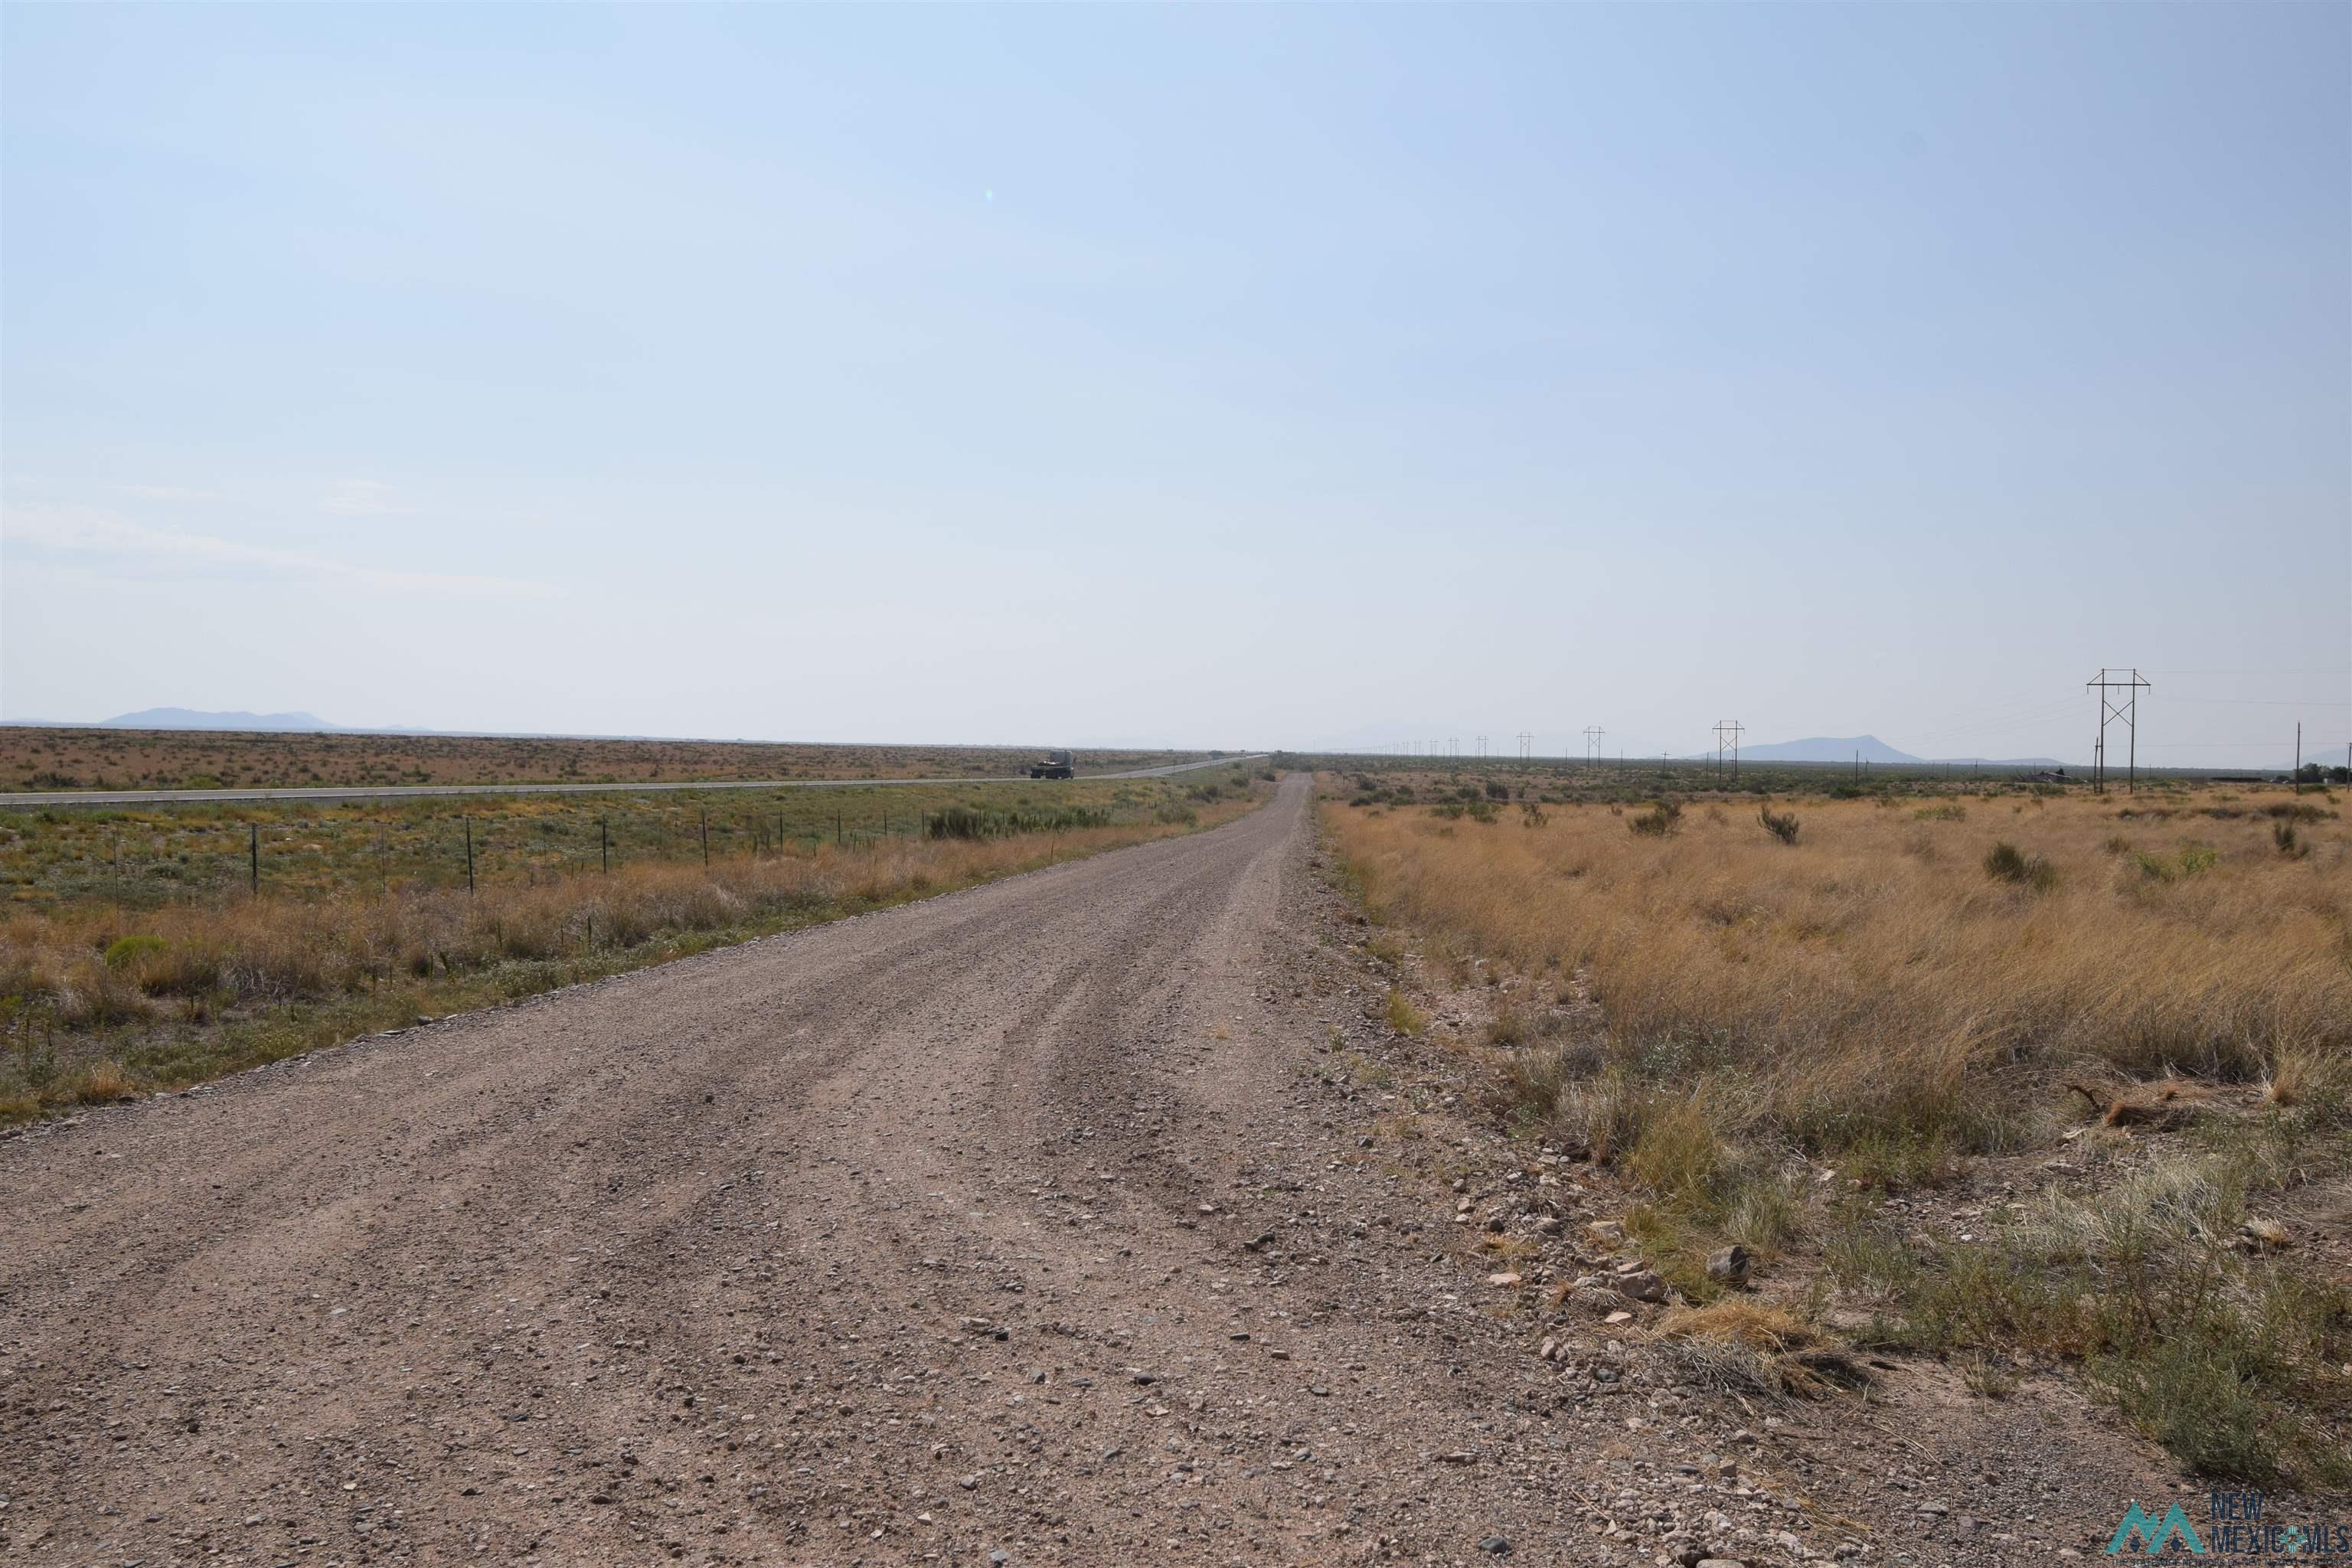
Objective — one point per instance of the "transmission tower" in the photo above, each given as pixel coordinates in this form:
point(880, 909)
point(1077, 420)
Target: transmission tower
point(1592, 733)
point(1726, 732)
point(1527, 746)
point(2123, 710)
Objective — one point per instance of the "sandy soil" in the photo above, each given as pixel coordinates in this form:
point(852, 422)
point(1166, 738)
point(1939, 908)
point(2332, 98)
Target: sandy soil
point(1018, 1222)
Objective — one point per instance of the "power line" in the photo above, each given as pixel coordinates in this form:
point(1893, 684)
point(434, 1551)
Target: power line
point(2126, 709)
point(2264, 702)
point(1731, 727)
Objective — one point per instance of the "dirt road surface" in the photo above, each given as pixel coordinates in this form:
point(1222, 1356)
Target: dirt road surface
point(914, 1234)
point(1033, 1224)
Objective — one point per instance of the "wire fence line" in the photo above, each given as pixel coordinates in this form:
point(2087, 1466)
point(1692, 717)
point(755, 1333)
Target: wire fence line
point(149, 857)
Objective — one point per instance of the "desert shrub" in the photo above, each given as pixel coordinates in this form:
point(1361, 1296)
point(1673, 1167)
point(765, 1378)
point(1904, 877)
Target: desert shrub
point(2005, 862)
point(1403, 1016)
point(1662, 820)
point(1780, 824)
point(125, 951)
point(2283, 836)
point(1951, 811)
point(1497, 790)
point(1603, 1116)
point(2194, 859)
point(1507, 1027)
point(1533, 1082)
point(1679, 1153)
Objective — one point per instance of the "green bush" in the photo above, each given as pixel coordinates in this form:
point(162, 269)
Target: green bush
point(2194, 860)
point(127, 951)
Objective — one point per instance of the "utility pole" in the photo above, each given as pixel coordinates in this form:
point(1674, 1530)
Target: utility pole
point(2124, 709)
point(604, 843)
point(2298, 756)
point(469, 854)
point(1527, 746)
point(1726, 732)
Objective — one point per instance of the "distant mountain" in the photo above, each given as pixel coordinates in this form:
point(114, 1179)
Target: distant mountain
point(1870, 749)
point(190, 718)
point(1826, 749)
point(2003, 762)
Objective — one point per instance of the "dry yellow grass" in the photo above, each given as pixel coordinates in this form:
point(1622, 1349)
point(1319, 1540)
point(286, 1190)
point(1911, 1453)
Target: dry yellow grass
point(1878, 987)
point(1864, 972)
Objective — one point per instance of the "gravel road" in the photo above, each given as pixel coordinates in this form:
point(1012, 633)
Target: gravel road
point(913, 1237)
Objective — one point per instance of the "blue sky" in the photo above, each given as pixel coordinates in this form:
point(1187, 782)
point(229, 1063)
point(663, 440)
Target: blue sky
point(1216, 376)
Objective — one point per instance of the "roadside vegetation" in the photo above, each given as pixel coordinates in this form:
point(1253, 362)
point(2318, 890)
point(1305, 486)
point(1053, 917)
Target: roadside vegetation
point(134, 955)
point(2012, 1075)
point(42, 758)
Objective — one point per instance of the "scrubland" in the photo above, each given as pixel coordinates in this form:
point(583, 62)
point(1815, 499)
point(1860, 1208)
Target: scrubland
point(2118, 1029)
point(115, 981)
point(41, 758)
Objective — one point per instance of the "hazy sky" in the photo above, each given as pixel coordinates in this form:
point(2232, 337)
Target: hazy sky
point(1215, 375)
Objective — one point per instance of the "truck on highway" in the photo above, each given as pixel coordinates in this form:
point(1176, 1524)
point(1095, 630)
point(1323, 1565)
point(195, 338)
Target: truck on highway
point(1052, 765)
